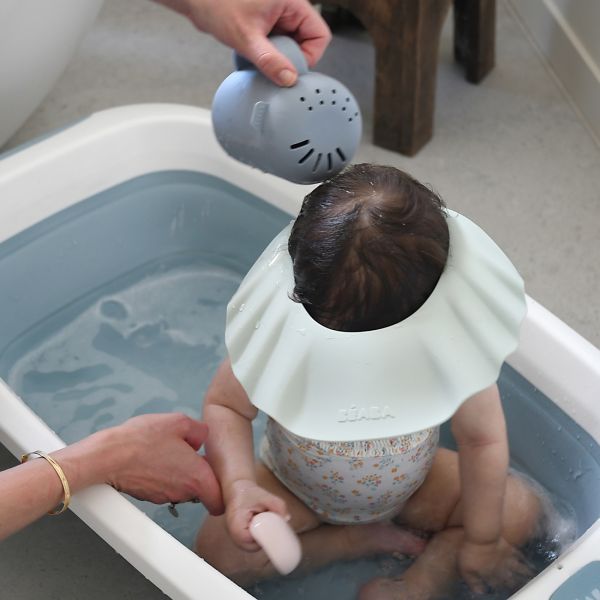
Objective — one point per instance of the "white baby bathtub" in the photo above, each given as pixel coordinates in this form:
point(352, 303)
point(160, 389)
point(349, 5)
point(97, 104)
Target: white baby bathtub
point(117, 145)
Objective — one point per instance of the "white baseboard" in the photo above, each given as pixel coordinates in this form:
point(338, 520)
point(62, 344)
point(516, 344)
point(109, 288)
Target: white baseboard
point(567, 55)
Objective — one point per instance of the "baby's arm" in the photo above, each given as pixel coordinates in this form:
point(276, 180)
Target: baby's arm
point(229, 449)
point(480, 432)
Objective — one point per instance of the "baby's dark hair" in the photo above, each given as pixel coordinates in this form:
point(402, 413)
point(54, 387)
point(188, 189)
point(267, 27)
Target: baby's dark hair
point(368, 247)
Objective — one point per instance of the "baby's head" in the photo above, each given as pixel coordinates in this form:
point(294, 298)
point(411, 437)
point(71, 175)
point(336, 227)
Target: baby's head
point(368, 248)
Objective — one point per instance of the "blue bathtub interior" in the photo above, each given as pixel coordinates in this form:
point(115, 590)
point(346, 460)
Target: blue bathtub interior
point(115, 307)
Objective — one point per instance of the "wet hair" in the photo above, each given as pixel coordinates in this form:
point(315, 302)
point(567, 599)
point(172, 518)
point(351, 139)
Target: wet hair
point(368, 248)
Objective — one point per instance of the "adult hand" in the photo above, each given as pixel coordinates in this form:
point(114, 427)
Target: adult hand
point(245, 24)
point(496, 565)
point(154, 457)
point(151, 457)
point(247, 499)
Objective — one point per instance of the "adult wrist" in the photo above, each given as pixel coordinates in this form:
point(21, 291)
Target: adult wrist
point(89, 461)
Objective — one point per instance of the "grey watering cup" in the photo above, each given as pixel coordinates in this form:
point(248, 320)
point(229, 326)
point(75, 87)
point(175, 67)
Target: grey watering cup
point(306, 133)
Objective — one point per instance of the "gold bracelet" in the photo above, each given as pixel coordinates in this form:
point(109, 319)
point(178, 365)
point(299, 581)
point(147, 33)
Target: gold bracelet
point(61, 476)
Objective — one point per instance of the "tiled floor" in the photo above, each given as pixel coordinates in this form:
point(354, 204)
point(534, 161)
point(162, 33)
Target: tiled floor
point(511, 153)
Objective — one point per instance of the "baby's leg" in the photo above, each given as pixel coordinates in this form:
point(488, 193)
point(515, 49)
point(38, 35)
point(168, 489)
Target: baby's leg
point(321, 543)
point(436, 507)
point(432, 575)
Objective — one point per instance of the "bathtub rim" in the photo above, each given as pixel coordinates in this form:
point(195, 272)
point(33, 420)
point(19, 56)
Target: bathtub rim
point(39, 180)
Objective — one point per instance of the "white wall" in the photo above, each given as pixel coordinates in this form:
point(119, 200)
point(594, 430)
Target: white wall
point(584, 17)
point(37, 40)
point(568, 34)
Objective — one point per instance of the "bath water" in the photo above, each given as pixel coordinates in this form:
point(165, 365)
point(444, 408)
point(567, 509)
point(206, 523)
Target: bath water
point(120, 311)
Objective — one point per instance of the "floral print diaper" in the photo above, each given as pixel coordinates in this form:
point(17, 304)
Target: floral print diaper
point(350, 482)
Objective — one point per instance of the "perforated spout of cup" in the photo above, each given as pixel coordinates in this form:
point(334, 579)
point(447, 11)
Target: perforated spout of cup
point(306, 133)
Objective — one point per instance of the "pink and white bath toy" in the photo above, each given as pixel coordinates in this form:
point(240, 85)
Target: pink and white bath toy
point(273, 534)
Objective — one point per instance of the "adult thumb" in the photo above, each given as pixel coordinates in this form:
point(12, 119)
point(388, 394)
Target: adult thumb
point(207, 488)
point(196, 434)
point(270, 61)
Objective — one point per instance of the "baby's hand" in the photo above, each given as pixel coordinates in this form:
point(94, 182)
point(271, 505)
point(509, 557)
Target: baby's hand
point(496, 565)
point(247, 499)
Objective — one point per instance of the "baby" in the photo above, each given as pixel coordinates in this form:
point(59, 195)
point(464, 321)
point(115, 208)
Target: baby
point(372, 254)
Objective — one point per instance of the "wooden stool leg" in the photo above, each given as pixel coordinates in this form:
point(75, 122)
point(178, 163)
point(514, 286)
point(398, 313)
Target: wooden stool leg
point(406, 73)
point(475, 37)
point(337, 18)
point(406, 35)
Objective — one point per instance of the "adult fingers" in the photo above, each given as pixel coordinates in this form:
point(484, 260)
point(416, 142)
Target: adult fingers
point(300, 20)
point(207, 488)
point(269, 61)
point(313, 36)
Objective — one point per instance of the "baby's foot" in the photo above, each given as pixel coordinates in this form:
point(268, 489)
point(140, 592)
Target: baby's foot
point(390, 589)
point(395, 540)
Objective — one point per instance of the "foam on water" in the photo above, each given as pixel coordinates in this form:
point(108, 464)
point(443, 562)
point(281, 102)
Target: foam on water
point(152, 346)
